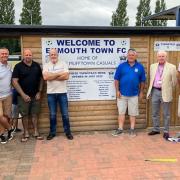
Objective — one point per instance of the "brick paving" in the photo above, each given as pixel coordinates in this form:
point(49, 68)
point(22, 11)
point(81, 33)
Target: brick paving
point(90, 156)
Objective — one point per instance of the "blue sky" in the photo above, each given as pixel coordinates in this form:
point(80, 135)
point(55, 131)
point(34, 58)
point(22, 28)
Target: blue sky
point(85, 12)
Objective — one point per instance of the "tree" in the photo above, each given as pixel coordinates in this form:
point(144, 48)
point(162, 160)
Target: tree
point(31, 12)
point(7, 12)
point(143, 10)
point(12, 44)
point(7, 16)
point(119, 17)
point(160, 6)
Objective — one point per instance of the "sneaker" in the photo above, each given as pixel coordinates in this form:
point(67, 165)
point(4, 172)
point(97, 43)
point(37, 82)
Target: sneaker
point(13, 130)
point(132, 133)
point(3, 139)
point(10, 134)
point(117, 132)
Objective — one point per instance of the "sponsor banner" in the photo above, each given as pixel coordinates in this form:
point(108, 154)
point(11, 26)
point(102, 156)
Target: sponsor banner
point(167, 45)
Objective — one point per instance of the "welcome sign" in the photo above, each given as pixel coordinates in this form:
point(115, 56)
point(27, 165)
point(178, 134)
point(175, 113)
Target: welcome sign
point(87, 52)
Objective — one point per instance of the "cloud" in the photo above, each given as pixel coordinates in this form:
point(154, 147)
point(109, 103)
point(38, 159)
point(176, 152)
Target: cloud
point(84, 12)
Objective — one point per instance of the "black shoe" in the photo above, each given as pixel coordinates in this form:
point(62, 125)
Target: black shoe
point(69, 136)
point(166, 135)
point(153, 133)
point(3, 139)
point(18, 130)
point(50, 136)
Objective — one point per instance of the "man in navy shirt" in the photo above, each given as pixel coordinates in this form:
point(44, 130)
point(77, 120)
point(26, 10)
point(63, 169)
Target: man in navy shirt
point(129, 83)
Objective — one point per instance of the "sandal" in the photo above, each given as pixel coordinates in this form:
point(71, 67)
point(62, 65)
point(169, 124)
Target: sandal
point(24, 139)
point(38, 137)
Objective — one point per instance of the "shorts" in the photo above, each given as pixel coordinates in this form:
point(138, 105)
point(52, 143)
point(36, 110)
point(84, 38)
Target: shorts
point(131, 103)
point(179, 106)
point(15, 111)
point(5, 106)
point(28, 108)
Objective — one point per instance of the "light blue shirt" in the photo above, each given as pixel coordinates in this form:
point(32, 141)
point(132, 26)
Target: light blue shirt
point(5, 80)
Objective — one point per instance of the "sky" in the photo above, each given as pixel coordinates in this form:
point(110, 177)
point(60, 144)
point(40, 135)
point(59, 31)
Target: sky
point(86, 12)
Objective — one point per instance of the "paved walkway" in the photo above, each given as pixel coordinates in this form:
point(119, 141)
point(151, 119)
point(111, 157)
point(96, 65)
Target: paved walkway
point(90, 156)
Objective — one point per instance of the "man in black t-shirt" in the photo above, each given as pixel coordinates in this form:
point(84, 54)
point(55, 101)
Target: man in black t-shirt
point(27, 79)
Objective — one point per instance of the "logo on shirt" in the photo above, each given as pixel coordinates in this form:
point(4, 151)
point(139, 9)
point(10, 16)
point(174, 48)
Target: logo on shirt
point(136, 70)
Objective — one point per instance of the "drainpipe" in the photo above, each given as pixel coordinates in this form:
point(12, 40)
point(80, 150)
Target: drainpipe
point(178, 17)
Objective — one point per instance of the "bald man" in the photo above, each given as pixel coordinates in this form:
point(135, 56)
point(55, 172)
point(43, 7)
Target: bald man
point(162, 81)
point(28, 81)
point(56, 73)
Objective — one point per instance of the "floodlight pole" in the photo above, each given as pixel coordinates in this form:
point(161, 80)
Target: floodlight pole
point(178, 17)
point(30, 12)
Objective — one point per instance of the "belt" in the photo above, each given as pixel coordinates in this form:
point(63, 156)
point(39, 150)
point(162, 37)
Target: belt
point(159, 89)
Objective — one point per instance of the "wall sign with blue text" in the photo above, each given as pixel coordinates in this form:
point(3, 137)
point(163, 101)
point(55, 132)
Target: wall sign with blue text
point(87, 52)
point(167, 45)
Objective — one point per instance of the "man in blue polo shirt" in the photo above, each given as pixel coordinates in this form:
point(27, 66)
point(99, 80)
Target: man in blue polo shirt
point(129, 83)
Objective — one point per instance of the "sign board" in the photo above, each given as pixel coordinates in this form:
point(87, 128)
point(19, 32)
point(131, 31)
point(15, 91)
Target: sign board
point(87, 52)
point(91, 85)
point(167, 45)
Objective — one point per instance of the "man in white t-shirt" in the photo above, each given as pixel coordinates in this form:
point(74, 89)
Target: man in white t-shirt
point(56, 73)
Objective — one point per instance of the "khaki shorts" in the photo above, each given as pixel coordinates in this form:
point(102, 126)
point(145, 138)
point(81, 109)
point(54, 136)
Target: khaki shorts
point(179, 106)
point(28, 108)
point(5, 106)
point(131, 103)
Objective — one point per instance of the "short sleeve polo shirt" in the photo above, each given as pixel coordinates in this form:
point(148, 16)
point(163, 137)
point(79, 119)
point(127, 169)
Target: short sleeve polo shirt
point(29, 77)
point(129, 78)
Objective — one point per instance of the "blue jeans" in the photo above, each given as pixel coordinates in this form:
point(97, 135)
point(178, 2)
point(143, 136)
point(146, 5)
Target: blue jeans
point(53, 100)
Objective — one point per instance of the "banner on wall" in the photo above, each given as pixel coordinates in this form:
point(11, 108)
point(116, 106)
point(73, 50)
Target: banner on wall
point(167, 45)
point(91, 85)
point(87, 52)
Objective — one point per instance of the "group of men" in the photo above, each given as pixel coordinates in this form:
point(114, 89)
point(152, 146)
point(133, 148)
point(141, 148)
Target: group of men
point(27, 79)
point(130, 81)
